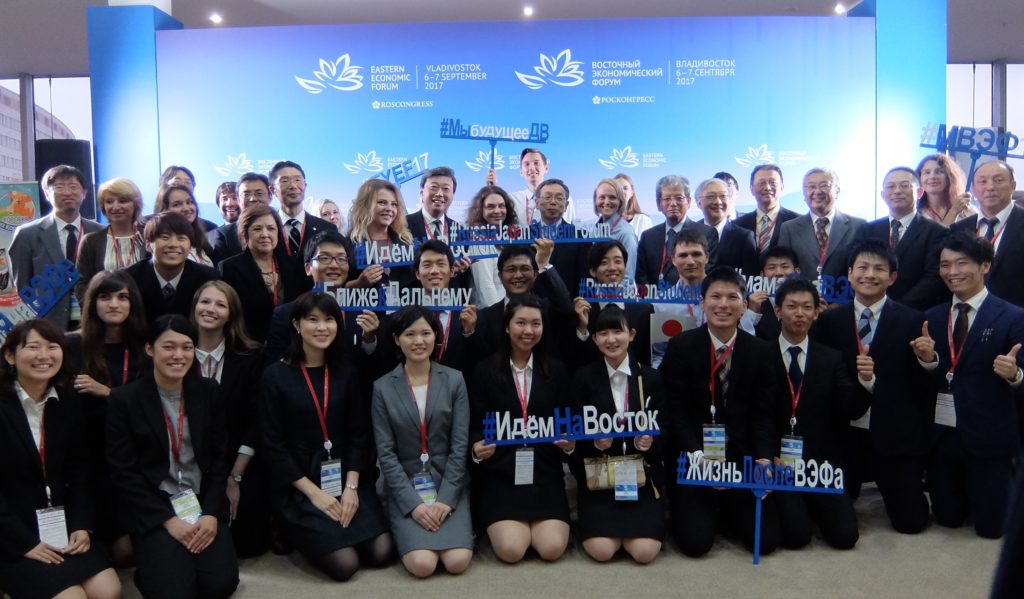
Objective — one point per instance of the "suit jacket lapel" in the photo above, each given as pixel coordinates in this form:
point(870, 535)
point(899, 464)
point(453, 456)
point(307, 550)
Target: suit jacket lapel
point(882, 328)
point(195, 410)
point(436, 390)
point(987, 315)
point(808, 241)
point(51, 238)
point(1013, 230)
point(837, 235)
point(402, 391)
point(153, 411)
point(14, 413)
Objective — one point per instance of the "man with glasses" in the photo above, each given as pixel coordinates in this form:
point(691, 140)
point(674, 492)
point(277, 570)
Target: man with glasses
point(735, 244)
point(288, 184)
point(765, 222)
point(569, 259)
point(53, 238)
point(533, 167)
point(822, 238)
point(654, 263)
point(916, 240)
point(252, 188)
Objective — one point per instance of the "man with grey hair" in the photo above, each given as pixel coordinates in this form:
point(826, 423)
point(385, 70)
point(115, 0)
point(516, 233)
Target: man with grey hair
point(821, 238)
point(766, 185)
point(654, 262)
point(735, 244)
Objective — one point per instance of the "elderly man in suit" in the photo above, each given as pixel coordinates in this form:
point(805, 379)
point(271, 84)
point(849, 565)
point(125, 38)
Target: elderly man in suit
point(736, 247)
point(1001, 223)
point(915, 240)
point(822, 237)
point(765, 222)
point(654, 263)
point(54, 237)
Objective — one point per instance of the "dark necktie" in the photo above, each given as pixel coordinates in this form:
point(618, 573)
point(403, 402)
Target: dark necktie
point(168, 292)
point(864, 327)
point(71, 246)
point(437, 229)
point(722, 382)
point(796, 376)
point(821, 226)
point(960, 326)
point(990, 229)
point(764, 237)
point(294, 235)
point(894, 236)
point(670, 242)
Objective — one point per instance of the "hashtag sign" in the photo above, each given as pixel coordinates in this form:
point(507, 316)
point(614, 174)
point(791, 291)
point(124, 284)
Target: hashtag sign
point(489, 426)
point(681, 467)
point(928, 134)
point(445, 124)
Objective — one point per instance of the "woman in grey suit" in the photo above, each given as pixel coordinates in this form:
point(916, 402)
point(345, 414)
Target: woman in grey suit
point(421, 423)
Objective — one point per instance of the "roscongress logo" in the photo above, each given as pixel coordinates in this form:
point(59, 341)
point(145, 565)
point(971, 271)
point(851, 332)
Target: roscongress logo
point(624, 158)
point(368, 162)
point(483, 162)
point(235, 166)
point(759, 155)
point(561, 70)
point(339, 74)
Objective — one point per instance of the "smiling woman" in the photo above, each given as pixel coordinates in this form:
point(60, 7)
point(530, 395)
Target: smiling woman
point(120, 244)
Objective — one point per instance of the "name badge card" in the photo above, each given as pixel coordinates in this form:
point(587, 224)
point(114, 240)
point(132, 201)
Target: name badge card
point(862, 422)
point(524, 466)
point(330, 477)
point(945, 410)
point(186, 506)
point(625, 481)
point(792, 450)
point(53, 526)
point(425, 488)
point(714, 441)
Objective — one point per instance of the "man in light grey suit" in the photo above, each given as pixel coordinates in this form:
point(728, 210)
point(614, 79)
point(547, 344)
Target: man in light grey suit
point(54, 237)
point(821, 238)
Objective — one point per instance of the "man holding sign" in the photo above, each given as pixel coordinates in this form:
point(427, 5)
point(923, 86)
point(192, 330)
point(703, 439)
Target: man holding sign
point(971, 348)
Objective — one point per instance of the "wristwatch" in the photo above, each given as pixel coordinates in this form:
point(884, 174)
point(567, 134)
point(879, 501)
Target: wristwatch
point(237, 478)
point(353, 487)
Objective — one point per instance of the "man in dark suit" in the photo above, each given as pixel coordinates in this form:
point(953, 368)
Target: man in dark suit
point(977, 368)
point(288, 184)
point(822, 237)
point(672, 193)
point(736, 246)
point(816, 399)
point(777, 263)
point(765, 222)
point(874, 334)
point(252, 188)
point(739, 397)
point(54, 238)
point(569, 259)
point(168, 282)
point(1001, 223)
point(915, 239)
point(437, 192)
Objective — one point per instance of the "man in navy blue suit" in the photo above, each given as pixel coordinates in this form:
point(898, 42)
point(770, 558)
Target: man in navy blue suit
point(654, 263)
point(765, 222)
point(735, 244)
point(971, 348)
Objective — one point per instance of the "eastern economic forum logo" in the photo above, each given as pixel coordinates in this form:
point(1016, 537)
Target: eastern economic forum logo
point(339, 74)
point(559, 70)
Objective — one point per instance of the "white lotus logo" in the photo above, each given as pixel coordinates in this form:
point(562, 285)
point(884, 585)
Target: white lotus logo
point(759, 155)
point(338, 74)
point(365, 162)
point(561, 70)
point(235, 165)
point(624, 158)
point(483, 162)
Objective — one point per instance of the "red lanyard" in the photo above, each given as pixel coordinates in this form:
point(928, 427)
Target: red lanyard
point(42, 445)
point(321, 413)
point(430, 230)
point(118, 260)
point(995, 237)
point(288, 247)
point(445, 330)
point(703, 316)
point(954, 353)
point(821, 255)
point(273, 275)
point(423, 421)
point(795, 396)
point(529, 215)
point(124, 368)
point(715, 366)
point(176, 443)
point(522, 392)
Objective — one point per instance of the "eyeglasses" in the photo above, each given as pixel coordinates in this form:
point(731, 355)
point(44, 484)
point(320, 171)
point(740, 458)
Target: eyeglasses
point(286, 181)
point(327, 259)
point(823, 186)
point(62, 187)
point(673, 199)
point(715, 197)
point(254, 195)
point(903, 185)
point(558, 197)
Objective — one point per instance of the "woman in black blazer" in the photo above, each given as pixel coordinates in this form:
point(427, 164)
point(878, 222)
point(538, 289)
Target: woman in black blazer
point(227, 355)
point(42, 441)
point(108, 351)
point(617, 384)
point(258, 274)
point(118, 245)
point(166, 446)
point(315, 418)
point(534, 514)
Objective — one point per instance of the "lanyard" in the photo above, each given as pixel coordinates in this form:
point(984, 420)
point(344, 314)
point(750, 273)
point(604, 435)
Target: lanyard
point(288, 247)
point(715, 366)
point(321, 413)
point(703, 316)
point(176, 440)
point(445, 329)
point(273, 274)
point(124, 368)
point(995, 237)
point(116, 244)
point(954, 353)
point(430, 229)
point(42, 454)
point(522, 392)
point(423, 421)
point(795, 397)
point(821, 255)
point(529, 214)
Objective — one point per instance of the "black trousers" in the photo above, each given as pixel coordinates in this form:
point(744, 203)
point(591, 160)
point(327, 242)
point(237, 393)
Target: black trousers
point(858, 457)
point(166, 569)
point(833, 514)
point(901, 483)
point(251, 528)
point(1009, 579)
point(962, 485)
point(696, 512)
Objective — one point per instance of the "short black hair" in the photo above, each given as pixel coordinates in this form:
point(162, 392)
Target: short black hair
point(693, 236)
point(766, 167)
point(727, 177)
point(282, 164)
point(796, 285)
point(433, 245)
point(254, 177)
point(611, 318)
point(722, 274)
point(780, 251)
point(325, 236)
point(439, 171)
point(553, 181)
point(172, 322)
point(303, 306)
point(874, 247)
point(511, 251)
point(600, 249)
point(975, 248)
point(532, 151)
